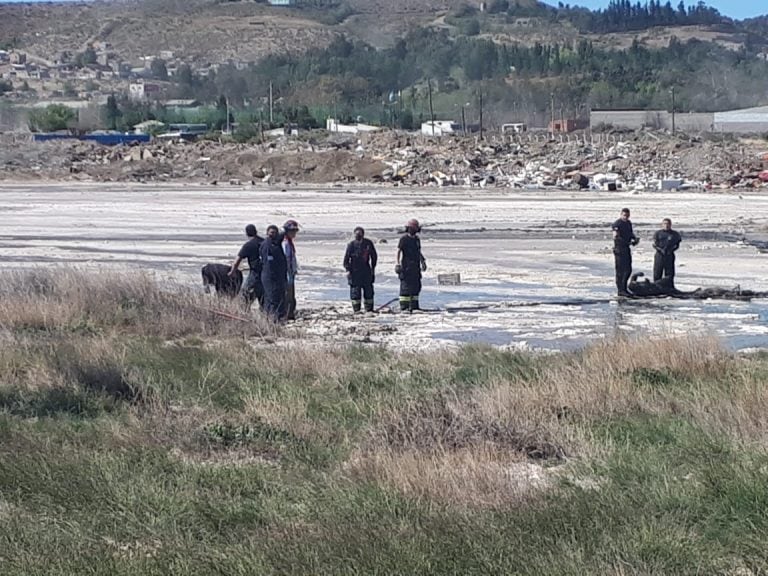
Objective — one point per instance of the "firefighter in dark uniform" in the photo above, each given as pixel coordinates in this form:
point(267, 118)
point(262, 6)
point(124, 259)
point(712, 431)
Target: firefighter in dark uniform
point(251, 251)
point(274, 274)
point(360, 263)
point(623, 238)
point(666, 241)
point(410, 264)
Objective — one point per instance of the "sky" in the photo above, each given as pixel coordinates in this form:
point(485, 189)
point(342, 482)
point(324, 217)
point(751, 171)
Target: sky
point(733, 8)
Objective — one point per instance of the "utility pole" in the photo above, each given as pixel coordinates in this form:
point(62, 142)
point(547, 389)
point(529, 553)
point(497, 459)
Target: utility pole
point(481, 114)
point(226, 99)
point(552, 114)
point(271, 106)
point(431, 110)
point(673, 109)
point(463, 121)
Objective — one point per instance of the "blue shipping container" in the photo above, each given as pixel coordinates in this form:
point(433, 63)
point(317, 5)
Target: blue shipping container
point(104, 139)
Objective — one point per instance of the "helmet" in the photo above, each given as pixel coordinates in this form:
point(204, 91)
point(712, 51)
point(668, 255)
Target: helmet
point(413, 223)
point(290, 225)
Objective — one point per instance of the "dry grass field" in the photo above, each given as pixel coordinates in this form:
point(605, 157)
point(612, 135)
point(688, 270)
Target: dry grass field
point(142, 434)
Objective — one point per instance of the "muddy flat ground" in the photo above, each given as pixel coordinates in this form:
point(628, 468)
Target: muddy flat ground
point(512, 249)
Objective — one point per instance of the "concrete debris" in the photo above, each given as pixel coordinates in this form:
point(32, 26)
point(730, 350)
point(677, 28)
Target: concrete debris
point(635, 161)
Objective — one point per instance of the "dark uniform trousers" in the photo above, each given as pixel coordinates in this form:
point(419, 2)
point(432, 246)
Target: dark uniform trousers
point(253, 289)
point(663, 266)
point(290, 301)
point(358, 292)
point(410, 288)
point(623, 261)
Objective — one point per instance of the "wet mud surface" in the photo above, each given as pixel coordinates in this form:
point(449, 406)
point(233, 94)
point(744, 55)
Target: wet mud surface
point(536, 267)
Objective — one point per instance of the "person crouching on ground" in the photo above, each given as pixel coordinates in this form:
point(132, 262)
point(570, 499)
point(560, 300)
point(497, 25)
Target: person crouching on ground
point(623, 238)
point(251, 251)
point(410, 265)
point(291, 228)
point(360, 263)
point(274, 275)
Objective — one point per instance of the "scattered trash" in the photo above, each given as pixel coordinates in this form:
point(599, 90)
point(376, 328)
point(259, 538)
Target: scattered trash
point(449, 279)
point(636, 161)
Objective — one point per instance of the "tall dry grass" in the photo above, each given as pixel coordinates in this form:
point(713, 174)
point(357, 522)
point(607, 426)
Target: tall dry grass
point(88, 301)
point(437, 445)
point(461, 428)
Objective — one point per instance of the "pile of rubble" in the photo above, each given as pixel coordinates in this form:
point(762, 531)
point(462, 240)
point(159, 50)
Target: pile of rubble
point(642, 161)
point(637, 161)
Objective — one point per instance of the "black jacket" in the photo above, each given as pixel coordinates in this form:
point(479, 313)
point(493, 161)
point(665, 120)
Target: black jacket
point(625, 235)
point(360, 261)
point(251, 251)
point(666, 242)
point(273, 262)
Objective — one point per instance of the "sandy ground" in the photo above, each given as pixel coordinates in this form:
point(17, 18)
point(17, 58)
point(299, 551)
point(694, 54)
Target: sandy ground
point(512, 249)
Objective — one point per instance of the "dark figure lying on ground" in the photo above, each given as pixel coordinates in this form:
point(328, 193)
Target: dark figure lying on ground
point(217, 275)
point(646, 289)
point(666, 288)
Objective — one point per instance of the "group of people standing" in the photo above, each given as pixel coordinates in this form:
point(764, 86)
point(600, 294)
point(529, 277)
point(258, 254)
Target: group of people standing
point(273, 268)
point(666, 241)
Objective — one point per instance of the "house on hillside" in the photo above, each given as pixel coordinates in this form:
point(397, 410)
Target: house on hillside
point(182, 104)
point(148, 127)
point(282, 2)
point(332, 125)
point(440, 128)
point(142, 90)
point(566, 125)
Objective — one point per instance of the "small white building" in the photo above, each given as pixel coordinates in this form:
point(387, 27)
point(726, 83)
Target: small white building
point(440, 128)
point(333, 125)
point(142, 90)
point(148, 127)
point(746, 121)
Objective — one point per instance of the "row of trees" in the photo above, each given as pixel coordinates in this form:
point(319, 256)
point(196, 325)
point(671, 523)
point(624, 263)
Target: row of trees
point(624, 15)
point(351, 77)
point(354, 72)
point(618, 16)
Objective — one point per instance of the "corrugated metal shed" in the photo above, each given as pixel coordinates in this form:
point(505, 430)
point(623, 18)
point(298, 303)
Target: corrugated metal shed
point(747, 120)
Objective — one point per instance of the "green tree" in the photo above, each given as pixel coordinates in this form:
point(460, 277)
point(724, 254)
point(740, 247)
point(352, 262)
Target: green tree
point(53, 118)
point(470, 27)
point(69, 90)
point(159, 69)
point(113, 113)
point(86, 58)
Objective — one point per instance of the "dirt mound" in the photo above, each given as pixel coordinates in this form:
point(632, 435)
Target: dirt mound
point(600, 161)
point(322, 167)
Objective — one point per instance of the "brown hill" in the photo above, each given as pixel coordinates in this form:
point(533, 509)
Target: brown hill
point(214, 31)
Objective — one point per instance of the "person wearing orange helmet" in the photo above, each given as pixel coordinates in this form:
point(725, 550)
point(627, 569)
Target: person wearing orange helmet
point(410, 265)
